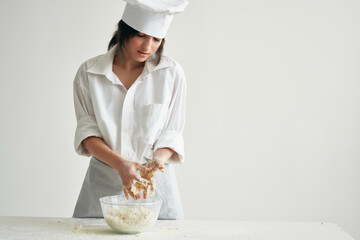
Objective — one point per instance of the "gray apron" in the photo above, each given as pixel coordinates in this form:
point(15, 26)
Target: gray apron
point(102, 180)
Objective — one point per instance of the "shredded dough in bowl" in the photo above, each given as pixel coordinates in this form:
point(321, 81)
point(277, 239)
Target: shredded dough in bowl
point(130, 220)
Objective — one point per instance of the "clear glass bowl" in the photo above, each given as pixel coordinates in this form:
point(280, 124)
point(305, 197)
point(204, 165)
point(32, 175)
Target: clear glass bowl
point(130, 216)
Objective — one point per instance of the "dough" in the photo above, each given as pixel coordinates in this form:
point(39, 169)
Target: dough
point(130, 219)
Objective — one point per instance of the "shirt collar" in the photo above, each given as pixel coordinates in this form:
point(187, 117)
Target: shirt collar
point(104, 64)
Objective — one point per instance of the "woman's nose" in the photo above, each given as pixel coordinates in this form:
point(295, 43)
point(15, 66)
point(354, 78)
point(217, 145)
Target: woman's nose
point(147, 44)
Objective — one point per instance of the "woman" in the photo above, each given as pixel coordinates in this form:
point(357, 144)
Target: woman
point(130, 109)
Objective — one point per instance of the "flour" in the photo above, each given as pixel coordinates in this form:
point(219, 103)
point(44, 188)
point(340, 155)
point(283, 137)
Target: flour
point(77, 228)
point(130, 220)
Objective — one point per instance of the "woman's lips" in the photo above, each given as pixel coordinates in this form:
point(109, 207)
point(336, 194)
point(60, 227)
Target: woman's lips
point(143, 53)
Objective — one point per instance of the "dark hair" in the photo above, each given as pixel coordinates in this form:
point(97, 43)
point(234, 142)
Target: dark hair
point(122, 35)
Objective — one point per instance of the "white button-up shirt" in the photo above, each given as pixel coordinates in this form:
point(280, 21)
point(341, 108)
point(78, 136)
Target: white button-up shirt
point(136, 122)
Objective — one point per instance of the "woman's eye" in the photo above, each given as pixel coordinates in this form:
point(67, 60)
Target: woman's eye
point(139, 35)
point(157, 39)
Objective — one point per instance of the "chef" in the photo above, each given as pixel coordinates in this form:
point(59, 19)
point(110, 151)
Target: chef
point(130, 110)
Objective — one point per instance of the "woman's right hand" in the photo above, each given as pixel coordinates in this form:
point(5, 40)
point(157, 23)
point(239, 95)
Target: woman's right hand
point(127, 171)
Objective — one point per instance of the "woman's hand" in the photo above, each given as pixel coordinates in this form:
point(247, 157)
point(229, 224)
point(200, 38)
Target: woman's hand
point(149, 174)
point(155, 165)
point(127, 171)
point(161, 156)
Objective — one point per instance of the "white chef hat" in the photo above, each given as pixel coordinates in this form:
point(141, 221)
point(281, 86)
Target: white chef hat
point(152, 17)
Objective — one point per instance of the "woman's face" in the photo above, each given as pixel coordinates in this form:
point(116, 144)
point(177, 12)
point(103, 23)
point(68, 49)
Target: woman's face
point(142, 46)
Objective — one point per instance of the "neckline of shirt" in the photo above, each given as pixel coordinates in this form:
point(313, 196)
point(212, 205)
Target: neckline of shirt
point(104, 65)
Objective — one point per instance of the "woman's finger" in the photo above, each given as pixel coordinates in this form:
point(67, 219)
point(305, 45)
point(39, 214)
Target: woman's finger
point(126, 192)
point(161, 167)
point(142, 168)
point(145, 193)
point(137, 178)
point(141, 180)
point(132, 192)
point(149, 169)
point(139, 167)
point(152, 188)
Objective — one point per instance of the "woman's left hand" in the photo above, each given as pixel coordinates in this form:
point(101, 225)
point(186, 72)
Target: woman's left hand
point(149, 174)
point(156, 164)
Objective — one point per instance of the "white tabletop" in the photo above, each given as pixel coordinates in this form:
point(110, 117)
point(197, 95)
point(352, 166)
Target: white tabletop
point(39, 228)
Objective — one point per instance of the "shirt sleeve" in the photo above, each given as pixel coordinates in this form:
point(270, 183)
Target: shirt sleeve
point(172, 134)
point(86, 121)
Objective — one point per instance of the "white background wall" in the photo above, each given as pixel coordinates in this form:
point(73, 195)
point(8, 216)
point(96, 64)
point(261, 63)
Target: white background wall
point(273, 120)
